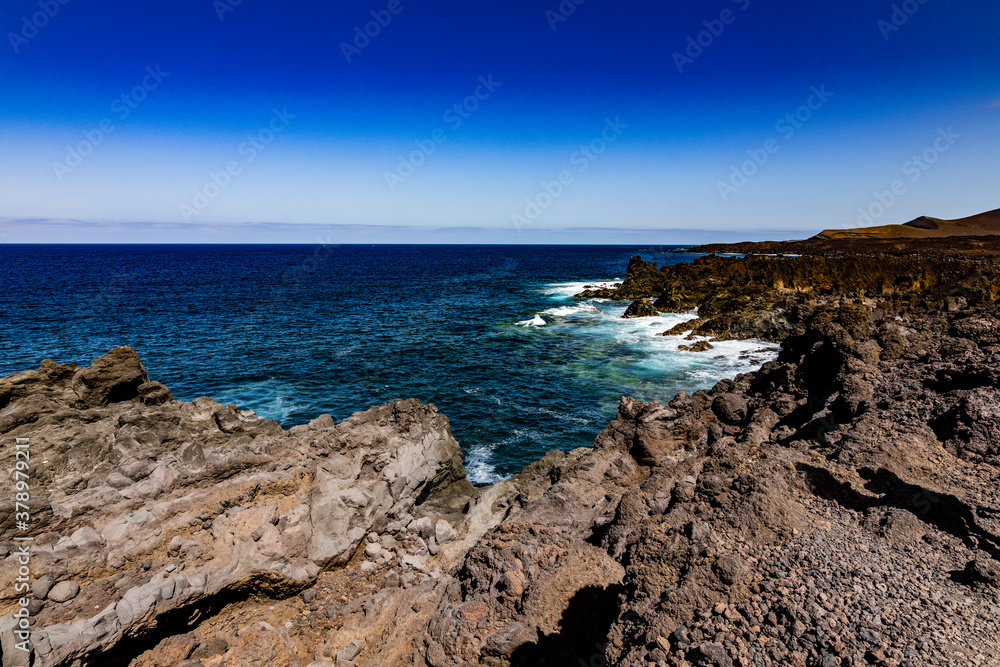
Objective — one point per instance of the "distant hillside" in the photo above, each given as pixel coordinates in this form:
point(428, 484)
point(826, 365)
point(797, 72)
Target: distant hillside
point(984, 224)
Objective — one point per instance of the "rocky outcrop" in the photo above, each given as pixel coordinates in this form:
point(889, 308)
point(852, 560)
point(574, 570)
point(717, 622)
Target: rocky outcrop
point(818, 510)
point(640, 308)
point(767, 297)
point(147, 509)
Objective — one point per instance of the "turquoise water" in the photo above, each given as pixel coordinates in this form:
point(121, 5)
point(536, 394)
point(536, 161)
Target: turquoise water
point(490, 334)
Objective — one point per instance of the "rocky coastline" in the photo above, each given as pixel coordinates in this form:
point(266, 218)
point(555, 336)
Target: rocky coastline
point(838, 507)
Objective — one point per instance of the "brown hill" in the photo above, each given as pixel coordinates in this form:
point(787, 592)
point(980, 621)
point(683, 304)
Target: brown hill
point(983, 224)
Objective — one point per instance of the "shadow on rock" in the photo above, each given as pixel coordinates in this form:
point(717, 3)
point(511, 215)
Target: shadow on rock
point(941, 510)
point(585, 624)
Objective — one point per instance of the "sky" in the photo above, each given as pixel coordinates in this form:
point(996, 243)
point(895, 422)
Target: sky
point(580, 121)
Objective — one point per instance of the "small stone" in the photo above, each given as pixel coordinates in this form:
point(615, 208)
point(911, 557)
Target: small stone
point(124, 582)
point(116, 480)
point(64, 591)
point(350, 652)
point(40, 587)
point(415, 561)
point(309, 595)
point(423, 527)
point(443, 532)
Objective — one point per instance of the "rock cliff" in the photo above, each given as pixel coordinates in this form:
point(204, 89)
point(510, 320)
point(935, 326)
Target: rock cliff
point(838, 507)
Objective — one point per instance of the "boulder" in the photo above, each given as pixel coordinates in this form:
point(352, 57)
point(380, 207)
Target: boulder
point(730, 408)
point(112, 378)
point(350, 652)
point(640, 308)
point(41, 586)
point(983, 570)
point(64, 591)
point(444, 532)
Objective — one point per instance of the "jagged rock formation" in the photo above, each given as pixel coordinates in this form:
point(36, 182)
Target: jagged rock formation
point(841, 506)
point(156, 506)
point(640, 308)
point(766, 297)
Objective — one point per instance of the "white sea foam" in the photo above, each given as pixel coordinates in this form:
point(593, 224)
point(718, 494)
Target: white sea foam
point(566, 311)
point(480, 467)
point(568, 290)
point(641, 339)
point(536, 321)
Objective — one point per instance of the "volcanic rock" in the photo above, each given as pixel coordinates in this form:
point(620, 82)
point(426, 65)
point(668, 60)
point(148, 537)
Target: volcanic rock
point(839, 506)
point(640, 308)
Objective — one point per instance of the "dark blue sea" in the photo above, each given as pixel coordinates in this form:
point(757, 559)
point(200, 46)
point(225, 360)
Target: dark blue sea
point(489, 334)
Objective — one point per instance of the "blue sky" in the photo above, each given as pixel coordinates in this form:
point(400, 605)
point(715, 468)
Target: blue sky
point(494, 121)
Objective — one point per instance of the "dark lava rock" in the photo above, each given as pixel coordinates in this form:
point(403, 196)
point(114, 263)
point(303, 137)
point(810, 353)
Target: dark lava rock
point(700, 346)
point(983, 570)
point(710, 655)
point(154, 393)
point(730, 408)
point(641, 308)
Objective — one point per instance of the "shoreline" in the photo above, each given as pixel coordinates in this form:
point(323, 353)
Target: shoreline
point(731, 526)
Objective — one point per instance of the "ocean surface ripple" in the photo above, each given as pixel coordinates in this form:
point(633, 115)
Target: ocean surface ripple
point(489, 334)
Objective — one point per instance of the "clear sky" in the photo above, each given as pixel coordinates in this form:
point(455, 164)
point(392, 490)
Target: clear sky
point(500, 121)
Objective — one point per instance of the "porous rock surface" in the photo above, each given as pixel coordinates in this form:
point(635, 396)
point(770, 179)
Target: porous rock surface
point(838, 507)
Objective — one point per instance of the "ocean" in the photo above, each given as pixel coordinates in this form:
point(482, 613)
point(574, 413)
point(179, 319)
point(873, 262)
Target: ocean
point(491, 335)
